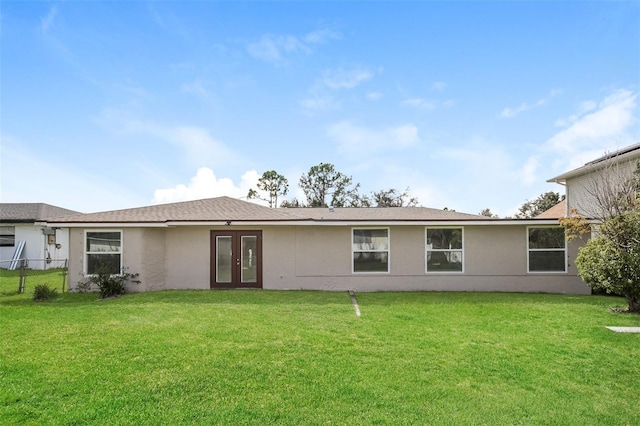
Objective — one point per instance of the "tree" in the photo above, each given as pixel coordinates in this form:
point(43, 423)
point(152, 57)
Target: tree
point(544, 202)
point(611, 260)
point(394, 198)
point(356, 199)
point(274, 184)
point(487, 213)
point(324, 186)
point(291, 203)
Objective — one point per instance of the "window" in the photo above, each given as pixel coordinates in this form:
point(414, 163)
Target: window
point(444, 250)
point(547, 250)
point(7, 236)
point(370, 249)
point(103, 250)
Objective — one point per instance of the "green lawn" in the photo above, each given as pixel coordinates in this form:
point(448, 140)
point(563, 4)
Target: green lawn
point(263, 357)
point(55, 278)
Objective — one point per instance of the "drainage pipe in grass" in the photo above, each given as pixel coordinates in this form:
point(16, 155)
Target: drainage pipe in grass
point(355, 302)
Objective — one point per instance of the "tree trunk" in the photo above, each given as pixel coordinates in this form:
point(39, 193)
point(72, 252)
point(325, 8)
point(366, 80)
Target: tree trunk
point(634, 304)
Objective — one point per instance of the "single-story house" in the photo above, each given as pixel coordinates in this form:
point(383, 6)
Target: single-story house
point(21, 237)
point(228, 243)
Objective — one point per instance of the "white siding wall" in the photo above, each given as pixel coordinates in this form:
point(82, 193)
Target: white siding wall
point(580, 188)
point(36, 247)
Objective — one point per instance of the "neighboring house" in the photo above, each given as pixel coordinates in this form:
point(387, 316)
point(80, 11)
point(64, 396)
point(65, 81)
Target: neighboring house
point(555, 212)
point(228, 243)
point(600, 175)
point(42, 244)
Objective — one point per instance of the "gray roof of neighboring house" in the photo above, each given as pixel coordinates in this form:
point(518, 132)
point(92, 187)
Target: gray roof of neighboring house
point(223, 209)
point(623, 154)
point(31, 212)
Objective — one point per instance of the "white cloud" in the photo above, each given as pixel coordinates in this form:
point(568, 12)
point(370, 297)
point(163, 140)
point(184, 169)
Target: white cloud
point(30, 177)
point(197, 144)
point(449, 103)
point(340, 78)
point(528, 171)
point(321, 36)
point(439, 86)
point(319, 103)
point(47, 21)
point(526, 106)
point(556, 92)
point(428, 104)
point(583, 108)
point(321, 95)
point(512, 112)
point(205, 184)
point(274, 49)
point(196, 87)
point(277, 49)
point(352, 139)
point(374, 96)
point(420, 103)
point(608, 124)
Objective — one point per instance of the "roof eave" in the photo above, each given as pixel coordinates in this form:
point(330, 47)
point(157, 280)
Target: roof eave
point(104, 224)
point(594, 166)
point(307, 222)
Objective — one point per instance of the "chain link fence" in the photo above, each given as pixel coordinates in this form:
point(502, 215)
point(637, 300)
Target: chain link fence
point(24, 274)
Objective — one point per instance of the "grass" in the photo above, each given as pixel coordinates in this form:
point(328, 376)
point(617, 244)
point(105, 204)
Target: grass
point(55, 278)
point(262, 357)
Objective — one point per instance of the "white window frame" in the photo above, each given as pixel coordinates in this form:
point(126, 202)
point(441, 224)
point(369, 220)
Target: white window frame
point(87, 253)
point(7, 234)
point(427, 250)
point(529, 250)
point(387, 250)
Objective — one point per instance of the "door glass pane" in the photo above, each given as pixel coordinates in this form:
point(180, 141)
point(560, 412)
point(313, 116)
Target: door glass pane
point(249, 259)
point(223, 259)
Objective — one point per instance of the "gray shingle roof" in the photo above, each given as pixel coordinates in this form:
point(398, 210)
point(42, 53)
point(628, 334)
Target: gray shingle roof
point(224, 209)
point(383, 214)
point(31, 212)
point(210, 209)
point(625, 154)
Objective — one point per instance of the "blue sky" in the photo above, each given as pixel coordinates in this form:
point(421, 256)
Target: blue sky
point(472, 105)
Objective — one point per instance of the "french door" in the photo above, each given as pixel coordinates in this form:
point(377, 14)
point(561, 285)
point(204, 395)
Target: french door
point(236, 259)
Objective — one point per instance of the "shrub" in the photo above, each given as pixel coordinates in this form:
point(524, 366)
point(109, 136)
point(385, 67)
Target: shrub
point(611, 260)
point(108, 284)
point(43, 292)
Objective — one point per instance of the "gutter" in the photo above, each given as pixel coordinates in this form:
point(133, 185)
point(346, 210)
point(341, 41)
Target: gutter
point(310, 222)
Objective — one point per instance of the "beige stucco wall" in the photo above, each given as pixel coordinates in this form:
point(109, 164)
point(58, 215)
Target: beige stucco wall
point(495, 260)
point(143, 251)
point(188, 257)
point(319, 258)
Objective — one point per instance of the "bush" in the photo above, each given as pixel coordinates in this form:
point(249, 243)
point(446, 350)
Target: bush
point(108, 284)
point(608, 265)
point(43, 292)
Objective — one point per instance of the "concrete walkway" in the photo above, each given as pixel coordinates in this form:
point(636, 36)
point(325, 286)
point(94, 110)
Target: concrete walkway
point(625, 329)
